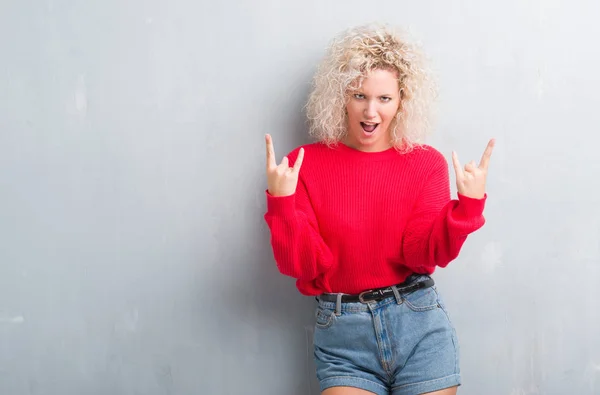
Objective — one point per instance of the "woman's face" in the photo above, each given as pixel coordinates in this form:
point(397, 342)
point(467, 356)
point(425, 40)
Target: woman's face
point(371, 109)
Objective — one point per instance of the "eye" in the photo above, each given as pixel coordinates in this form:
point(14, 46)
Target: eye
point(359, 96)
point(386, 99)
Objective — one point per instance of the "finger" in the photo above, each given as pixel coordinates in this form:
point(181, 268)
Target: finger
point(487, 154)
point(299, 160)
point(285, 163)
point(457, 167)
point(271, 162)
point(470, 167)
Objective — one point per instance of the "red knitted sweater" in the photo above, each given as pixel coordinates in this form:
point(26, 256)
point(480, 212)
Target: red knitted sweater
point(361, 220)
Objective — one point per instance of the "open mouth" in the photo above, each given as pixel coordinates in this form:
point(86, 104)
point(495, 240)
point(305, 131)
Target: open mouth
point(369, 128)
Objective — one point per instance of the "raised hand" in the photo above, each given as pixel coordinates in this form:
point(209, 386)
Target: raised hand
point(281, 179)
point(470, 181)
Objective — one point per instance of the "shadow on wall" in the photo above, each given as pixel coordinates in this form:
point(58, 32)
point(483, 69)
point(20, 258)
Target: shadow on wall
point(269, 321)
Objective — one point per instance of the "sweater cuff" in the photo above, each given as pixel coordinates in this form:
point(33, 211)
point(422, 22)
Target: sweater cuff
point(280, 204)
point(469, 207)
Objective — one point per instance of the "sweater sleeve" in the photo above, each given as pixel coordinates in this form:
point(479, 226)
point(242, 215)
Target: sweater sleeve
point(298, 248)
point(438, 227)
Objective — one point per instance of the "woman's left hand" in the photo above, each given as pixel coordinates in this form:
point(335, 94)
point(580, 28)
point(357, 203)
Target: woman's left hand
point(470, 181)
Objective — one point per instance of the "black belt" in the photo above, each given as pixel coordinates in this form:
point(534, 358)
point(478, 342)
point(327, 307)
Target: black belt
point(378, 294)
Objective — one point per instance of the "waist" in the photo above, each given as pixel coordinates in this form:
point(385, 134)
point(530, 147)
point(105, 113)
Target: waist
point(356, 280)
point(412, 283)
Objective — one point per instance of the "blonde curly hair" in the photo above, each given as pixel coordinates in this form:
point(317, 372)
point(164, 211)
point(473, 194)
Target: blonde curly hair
point(351, 56)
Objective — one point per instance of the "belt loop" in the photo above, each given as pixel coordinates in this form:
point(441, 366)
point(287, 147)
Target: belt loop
point(338, 304)
point(396, 294)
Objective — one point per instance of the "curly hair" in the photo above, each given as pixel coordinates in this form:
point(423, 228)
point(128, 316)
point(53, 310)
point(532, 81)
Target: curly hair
point(351, 56)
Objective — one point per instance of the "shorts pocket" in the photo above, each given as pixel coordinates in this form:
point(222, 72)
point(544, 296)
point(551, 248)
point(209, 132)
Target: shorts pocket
point(422, 299)
point(324, 318)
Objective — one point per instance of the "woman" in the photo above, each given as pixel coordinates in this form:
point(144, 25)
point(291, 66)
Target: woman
point(362, 217)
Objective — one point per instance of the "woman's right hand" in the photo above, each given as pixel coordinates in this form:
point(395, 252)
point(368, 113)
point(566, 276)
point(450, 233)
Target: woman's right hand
point(281, 179)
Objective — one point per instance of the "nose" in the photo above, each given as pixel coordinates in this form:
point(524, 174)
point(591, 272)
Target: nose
point(370, 110)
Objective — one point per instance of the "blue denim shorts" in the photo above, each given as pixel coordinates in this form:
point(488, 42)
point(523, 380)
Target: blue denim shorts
point(402, 345)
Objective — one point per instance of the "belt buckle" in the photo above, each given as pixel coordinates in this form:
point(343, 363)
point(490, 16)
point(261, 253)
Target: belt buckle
point(360, 296)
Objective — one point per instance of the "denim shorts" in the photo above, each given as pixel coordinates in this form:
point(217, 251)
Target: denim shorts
point(402, 345)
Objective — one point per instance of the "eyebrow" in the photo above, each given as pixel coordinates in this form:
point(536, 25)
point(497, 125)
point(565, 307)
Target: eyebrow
point(383, 94)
